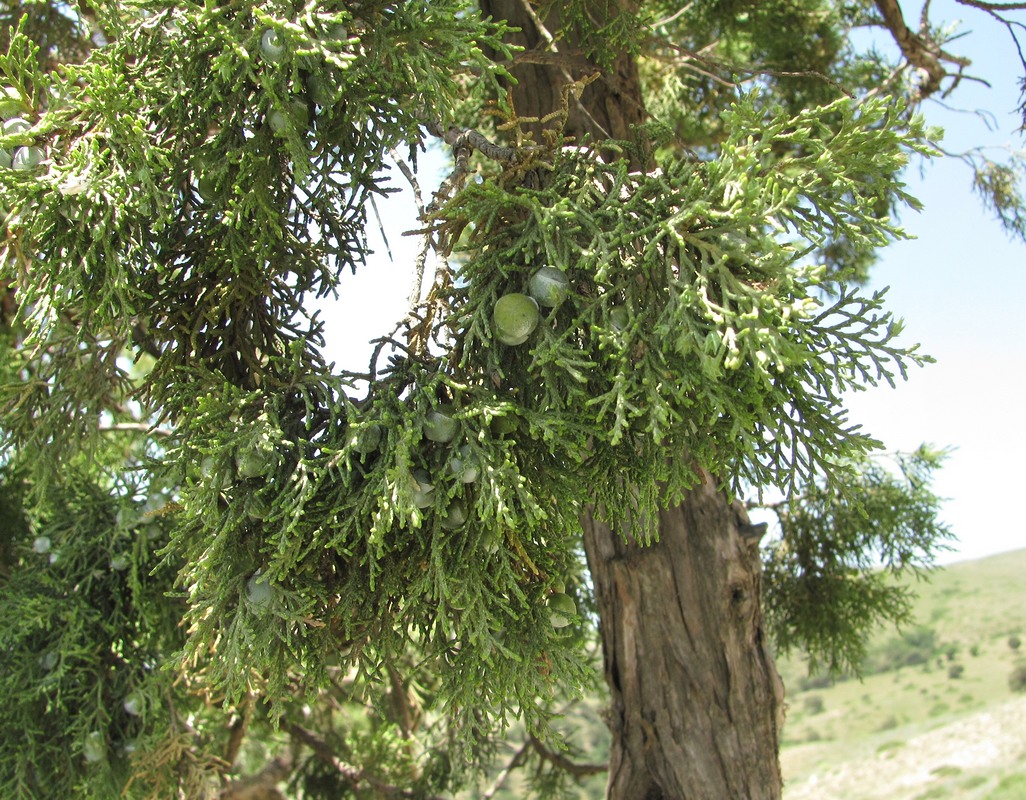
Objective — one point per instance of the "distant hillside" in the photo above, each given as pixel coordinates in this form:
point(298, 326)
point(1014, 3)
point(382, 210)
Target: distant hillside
point(980, 755)
point(937, 717)
point(971, 600)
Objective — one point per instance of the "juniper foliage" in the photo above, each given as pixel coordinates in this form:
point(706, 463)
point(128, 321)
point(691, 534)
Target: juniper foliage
point(211, 530)
point(830, 576)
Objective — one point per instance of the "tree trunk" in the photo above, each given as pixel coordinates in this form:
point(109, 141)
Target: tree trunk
point(695, 695)
point(607, 108)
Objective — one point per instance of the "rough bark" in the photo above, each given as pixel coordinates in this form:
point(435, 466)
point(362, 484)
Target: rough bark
point(695, 696)
point(608, 107)
point(921, 50)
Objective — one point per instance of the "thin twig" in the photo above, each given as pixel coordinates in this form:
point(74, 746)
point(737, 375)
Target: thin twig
point(411, 178)
point(710, 64)
point(564, 763)
point(519, 757)
point(457, 137)
point(135, 427)
point(264, 781)
point(992, 6)
point(381, 227)
point(426, 242)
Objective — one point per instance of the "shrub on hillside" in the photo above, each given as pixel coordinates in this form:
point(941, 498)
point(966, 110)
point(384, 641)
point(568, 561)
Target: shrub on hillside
point(915, 646)
point(1010, 787)
point(818, 680)
point(1017, 680)
point(813, 704)
point(888, 723)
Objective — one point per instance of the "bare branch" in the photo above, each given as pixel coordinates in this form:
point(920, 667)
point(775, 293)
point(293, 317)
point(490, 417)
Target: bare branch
point(467, 139)
point(135, 427)
point(992, 6)
point(519, 757)
point(381, 227)
point(1011, 25)
point(417, 287)
point(236, 735)
point(407, 714)
point(260, 786)
point(920, 50)
point(558, 760)
point(564, 763)
point(411, 178)
point(705, 66)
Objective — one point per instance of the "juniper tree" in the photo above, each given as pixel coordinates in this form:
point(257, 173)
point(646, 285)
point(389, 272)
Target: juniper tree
point(229, 564)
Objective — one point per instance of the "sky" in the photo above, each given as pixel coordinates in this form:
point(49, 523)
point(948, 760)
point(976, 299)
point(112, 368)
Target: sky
point(960, 286)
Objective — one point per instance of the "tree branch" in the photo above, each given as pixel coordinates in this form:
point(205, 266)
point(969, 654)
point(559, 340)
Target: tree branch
point(519, 757)
point(260, 786)
point(135, 427)
point(919, 50)
point(466, 139)
point(236, 734)
point(992, 9)
point(419, 263)
point(407, 715)
point(992, 6)
point(355, 776)
point(564, 763)
point(702, 64)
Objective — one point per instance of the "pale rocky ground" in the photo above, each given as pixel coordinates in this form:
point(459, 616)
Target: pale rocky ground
point(994, 739)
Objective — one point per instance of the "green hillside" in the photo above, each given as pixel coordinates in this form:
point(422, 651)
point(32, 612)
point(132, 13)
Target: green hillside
point(941, 685)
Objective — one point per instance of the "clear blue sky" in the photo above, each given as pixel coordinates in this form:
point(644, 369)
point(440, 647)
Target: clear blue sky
point(960, 286)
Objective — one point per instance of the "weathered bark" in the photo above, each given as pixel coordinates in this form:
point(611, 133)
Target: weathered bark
point(695, 696)
point(609, 106)
point(921, 50)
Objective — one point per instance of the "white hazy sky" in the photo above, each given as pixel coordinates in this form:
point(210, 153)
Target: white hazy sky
point(960, 286)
